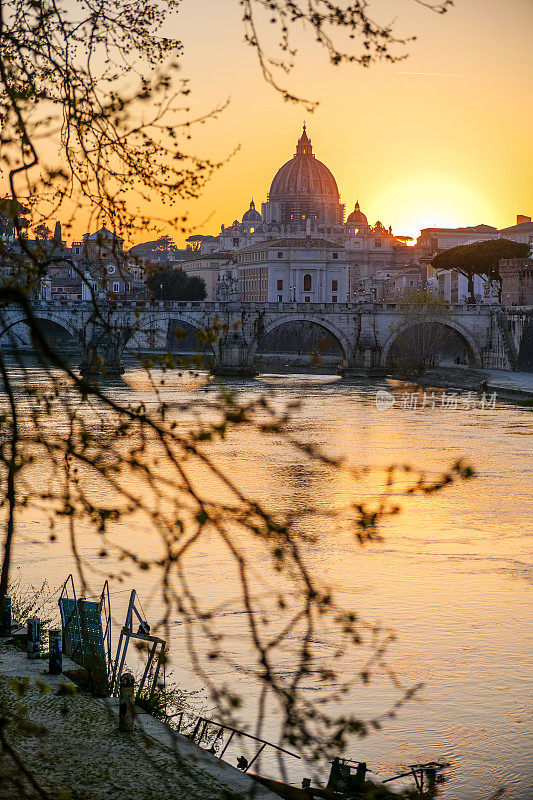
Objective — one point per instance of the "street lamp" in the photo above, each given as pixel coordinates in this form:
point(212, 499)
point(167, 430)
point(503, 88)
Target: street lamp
point(160, 291)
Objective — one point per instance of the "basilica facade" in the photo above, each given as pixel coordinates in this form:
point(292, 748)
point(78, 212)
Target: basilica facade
point(300, 245)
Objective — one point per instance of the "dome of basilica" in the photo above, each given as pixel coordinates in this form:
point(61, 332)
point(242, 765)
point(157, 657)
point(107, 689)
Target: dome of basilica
point(252, 215)
point(357, 219)
point(304, 175)
point(304, 188)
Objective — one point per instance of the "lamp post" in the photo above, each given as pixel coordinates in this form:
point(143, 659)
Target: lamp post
point(160, 291)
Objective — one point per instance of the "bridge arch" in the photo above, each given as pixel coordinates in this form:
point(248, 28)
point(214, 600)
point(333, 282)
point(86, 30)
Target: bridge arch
point(10, 321)
point(169, 316)
point(464, 334)
point(314, 319)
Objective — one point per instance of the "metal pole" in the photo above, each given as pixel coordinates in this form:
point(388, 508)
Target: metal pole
point(206, 723)
point(126, 706)
point(431, 775)
point(34, 637)
point(146, 671)
point(123, 658)
point(116, 663)
point(55, 652)
point(156, 673)
point(255, 757)
point(196, 729)
point(5, 617)
point(227, 744)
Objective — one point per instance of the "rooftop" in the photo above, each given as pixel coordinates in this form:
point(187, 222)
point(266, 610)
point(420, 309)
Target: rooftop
point(288, 243)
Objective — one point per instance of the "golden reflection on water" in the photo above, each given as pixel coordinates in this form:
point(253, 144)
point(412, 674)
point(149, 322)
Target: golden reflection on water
point(452, 575)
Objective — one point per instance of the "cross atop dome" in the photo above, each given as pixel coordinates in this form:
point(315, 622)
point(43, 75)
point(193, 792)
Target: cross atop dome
point(304, 147)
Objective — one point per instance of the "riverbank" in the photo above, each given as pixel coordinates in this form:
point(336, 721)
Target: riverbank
point(70, 745)
point(510, 386)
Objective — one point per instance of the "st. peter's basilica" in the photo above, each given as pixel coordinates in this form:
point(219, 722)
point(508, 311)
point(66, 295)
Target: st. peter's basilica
point(303, 220)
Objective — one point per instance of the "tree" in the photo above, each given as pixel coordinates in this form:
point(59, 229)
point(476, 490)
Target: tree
point(480, 258)
point(42, 233)
point(422, 332)
point(175, 284)
point(11, 210)
point(108, 81)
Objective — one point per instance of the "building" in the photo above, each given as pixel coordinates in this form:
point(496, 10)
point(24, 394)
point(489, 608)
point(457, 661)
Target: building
point(432, 240)
point(405, 281)
point(521, 232)
point(452, 286)
point(105, 270)
point(303, 203)
point(306, 270)
point(517, 281)
point(210, 268)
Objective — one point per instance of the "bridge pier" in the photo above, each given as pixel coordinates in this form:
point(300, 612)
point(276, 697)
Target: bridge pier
point(233, 356)
point(365, 361)
point(102, 358)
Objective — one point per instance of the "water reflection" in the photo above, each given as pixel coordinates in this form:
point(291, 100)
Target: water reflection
point(452, 576)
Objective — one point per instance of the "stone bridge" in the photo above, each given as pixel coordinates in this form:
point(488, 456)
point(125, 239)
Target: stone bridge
point(493, 338)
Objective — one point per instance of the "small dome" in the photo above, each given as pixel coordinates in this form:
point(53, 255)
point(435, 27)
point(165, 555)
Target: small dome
point(252, 215)
point(357, 219)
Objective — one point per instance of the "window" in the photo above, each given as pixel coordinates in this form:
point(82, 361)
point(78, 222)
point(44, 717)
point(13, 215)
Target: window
point(95, 287)
point(279, 285)
point(307, 299)
point(127, 286)
point(280, 255)
point(116, 286)
point(334, 286)
point(377, 243)
point(307, 283)
point(280, 298)
point(334, 298)
point(335, 255)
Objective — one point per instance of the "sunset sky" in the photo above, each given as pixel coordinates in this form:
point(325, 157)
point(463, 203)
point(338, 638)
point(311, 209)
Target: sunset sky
point(443, 138)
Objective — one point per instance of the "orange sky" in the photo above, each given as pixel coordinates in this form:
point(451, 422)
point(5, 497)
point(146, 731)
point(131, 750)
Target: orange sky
point(443, 138)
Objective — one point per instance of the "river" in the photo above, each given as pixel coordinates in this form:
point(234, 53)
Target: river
point(452, 576)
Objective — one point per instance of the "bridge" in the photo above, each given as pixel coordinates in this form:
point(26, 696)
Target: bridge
point(365, 332)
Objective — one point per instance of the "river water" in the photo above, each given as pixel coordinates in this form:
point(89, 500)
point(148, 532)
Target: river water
point(452, 576)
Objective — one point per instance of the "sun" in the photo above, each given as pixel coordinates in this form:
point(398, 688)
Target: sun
point(432, 200)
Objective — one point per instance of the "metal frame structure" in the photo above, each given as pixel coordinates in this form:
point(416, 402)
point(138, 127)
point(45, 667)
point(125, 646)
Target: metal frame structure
point(105, 609)
point(429, 771)
point(70, 618)
point(221, 728)
point(78, 636)
point(143, 635)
